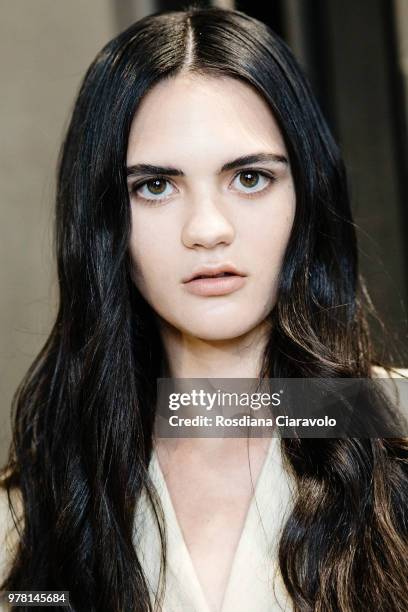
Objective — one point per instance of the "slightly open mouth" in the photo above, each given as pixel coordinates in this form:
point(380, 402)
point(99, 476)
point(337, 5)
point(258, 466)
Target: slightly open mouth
point(215, 275)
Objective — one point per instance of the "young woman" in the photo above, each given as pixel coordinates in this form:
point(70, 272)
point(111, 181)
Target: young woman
point(196, 148)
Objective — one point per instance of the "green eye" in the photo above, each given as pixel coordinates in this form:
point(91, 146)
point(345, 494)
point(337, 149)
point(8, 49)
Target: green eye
point(249, 179)
point(253, 181)
point(156, 186)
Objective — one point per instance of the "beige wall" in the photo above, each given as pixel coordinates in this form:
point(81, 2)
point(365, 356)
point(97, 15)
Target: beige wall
point(45, 47)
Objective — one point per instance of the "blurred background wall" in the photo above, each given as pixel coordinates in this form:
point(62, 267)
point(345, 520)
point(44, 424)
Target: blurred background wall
point(356, 56)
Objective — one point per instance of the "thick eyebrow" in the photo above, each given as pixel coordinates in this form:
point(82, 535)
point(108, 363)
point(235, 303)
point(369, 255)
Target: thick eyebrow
point(244, 160)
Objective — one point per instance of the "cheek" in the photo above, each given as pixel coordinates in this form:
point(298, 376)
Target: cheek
point(272, 230)
point(267, 230)
point(273, 238)
point(151, 248)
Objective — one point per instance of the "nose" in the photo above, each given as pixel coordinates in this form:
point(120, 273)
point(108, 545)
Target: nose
point(206, 225)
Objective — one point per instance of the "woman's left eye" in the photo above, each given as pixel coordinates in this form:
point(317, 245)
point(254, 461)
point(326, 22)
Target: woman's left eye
point(252, 181)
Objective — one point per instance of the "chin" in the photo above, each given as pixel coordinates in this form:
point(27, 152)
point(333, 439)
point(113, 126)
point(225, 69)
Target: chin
point(218, 331)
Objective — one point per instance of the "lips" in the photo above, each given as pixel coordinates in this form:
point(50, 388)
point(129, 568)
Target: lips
point(219, 271)
point(213, 281)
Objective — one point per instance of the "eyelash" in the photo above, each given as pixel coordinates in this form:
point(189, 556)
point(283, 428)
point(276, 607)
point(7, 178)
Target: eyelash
point(153, 201)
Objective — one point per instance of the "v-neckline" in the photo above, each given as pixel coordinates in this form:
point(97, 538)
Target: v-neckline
point(169, 509)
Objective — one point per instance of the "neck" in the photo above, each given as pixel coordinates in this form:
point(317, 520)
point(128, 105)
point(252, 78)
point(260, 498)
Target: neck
point(192, 357)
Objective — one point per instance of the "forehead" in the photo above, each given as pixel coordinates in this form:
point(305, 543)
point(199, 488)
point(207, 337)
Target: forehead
point(191, 118)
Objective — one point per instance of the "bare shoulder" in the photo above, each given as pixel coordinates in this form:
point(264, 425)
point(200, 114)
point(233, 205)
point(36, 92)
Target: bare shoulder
point(394, 385)
point(8, 531)
point(379, 372)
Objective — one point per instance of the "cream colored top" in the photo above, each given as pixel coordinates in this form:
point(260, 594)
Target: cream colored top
point(254, 575)
point(254, 582)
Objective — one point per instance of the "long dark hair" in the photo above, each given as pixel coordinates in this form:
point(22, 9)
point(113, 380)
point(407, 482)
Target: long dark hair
point(84, 413)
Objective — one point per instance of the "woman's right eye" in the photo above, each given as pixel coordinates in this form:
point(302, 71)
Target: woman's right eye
point(153, 189)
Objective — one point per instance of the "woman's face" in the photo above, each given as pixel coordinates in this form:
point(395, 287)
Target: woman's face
point(207, 209)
